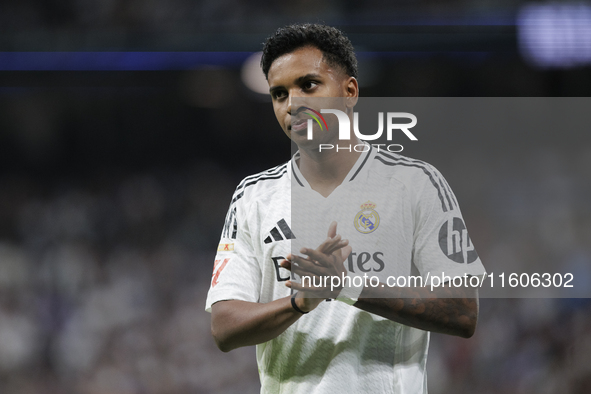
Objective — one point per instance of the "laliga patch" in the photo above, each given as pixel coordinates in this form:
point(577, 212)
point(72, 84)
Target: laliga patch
point(367, 220)
point(226, 247)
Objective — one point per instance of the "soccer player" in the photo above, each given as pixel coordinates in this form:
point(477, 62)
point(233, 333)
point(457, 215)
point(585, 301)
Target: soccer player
point(399, 217)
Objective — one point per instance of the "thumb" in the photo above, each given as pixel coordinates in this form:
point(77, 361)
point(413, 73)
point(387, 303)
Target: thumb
point(346, 251)
point(332, 230)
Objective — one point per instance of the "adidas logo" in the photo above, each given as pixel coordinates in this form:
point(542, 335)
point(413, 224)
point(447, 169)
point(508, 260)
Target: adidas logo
point(280, 232)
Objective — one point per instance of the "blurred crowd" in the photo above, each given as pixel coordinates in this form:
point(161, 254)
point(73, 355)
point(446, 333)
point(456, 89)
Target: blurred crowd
point(536, 219)
point(103, 283)
point(102, 286)
point(113, 196)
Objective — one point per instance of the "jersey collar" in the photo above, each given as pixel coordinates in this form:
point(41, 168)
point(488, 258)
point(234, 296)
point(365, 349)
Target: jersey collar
point(355, 173)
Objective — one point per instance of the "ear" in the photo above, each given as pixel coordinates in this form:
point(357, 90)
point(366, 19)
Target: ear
point(351, 92)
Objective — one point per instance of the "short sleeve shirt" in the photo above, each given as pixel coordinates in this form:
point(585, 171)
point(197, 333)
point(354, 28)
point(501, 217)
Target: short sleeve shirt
point(401, 219)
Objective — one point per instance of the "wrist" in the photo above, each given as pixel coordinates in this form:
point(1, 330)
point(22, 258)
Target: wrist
point(298, 306)
point(350, 293)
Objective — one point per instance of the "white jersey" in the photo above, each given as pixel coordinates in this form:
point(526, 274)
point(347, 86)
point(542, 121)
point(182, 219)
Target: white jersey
point(400, 217)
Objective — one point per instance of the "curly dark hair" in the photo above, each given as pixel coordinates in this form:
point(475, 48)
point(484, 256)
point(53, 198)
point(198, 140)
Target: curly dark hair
point(337, 50)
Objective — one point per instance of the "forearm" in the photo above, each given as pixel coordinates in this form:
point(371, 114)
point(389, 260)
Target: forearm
point(451, 310)
point(239, 323)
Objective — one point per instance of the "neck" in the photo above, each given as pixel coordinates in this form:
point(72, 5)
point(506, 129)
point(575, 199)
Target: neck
point(326, 170)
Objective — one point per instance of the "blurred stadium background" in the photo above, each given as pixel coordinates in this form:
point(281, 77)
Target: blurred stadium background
point(125, 126)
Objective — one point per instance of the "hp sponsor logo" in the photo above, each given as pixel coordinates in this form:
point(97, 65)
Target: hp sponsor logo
point(455, 242)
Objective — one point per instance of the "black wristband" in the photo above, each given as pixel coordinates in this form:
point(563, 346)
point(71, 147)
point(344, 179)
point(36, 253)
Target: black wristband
point(294, 305)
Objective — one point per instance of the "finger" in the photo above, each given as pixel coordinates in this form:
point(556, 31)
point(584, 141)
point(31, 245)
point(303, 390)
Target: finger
point(322, 258)
point(332, 230)
point(333, 248)
point(329, 244)
point(346, 251)
point(306, 266)
point(302, 272)
point(285, 264)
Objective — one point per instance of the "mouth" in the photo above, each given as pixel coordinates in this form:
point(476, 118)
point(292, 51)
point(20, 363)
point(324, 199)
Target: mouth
point(298, 124)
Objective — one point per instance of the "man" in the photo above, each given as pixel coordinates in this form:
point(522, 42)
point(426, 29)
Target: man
point(371, 339)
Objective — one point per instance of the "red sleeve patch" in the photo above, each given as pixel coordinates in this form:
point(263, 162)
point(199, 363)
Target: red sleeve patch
point(218, 266)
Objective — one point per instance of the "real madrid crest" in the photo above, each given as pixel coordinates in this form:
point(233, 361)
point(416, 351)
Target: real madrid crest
point(367, 220)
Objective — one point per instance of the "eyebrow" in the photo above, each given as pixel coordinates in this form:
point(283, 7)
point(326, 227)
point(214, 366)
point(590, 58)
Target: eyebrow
point(298, 81)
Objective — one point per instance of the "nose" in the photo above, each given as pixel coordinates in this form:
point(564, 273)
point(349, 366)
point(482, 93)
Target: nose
point(289, 103)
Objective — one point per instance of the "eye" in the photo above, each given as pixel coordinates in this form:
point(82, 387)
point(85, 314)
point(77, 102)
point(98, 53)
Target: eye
point(309, 85)
point(278, 94)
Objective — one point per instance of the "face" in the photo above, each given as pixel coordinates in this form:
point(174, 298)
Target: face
point(303, 73)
